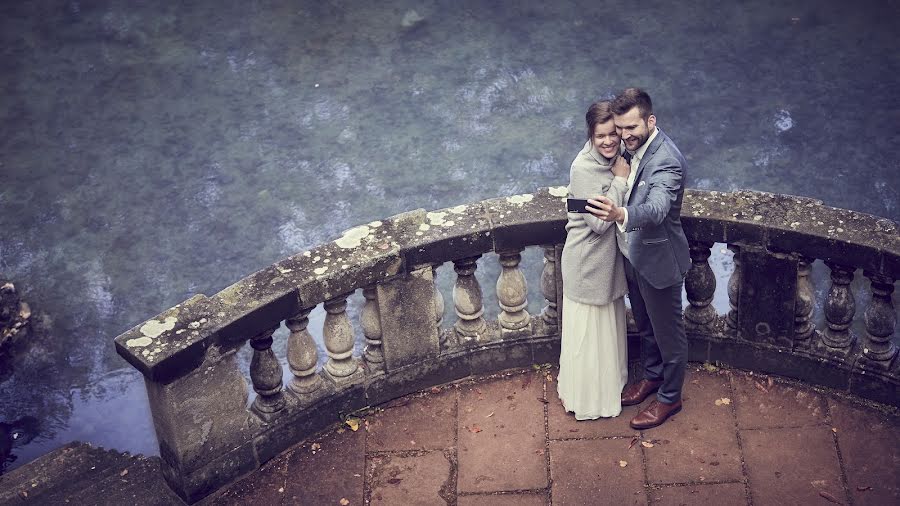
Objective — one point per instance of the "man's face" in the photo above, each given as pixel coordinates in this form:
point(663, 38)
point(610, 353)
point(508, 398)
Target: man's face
point(633, 129)
point(606, 139)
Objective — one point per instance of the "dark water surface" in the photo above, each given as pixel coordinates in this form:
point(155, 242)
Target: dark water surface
point(153, 150)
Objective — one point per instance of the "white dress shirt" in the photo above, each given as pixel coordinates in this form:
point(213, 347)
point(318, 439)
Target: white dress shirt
point(635, 163)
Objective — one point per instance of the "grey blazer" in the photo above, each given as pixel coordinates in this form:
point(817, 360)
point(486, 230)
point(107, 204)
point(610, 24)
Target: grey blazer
point(654, 241)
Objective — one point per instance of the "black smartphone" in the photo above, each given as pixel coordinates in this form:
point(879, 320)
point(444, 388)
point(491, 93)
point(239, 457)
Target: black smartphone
point(576, 205)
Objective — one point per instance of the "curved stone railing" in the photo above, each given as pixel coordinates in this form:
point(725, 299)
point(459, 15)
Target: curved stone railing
point(208, 435)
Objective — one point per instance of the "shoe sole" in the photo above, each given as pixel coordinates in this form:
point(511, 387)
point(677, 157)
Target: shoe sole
point(635, 403)
point(643, 427)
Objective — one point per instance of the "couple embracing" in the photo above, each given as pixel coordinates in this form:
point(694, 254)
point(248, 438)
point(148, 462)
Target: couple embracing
point(630, 241)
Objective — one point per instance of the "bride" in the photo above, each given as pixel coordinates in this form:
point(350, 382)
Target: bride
point(593, 362)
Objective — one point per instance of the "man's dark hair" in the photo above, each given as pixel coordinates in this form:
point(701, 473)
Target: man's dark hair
point(598, 112)
point(633, 97)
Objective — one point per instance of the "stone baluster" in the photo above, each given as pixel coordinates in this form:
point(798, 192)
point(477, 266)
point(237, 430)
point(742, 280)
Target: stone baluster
point(734, 283)
point(467, 301)
point(881, 320)
point(803, 302)
point(550, 314)
point(700, 285)
point(512, 291)
point(302, 355)
point(339, 340)
point(265, 373)
point(438, 306)
point(370, 320)
point(840, 306)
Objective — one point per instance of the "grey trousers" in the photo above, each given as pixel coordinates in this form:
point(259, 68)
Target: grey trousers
point(664, 346)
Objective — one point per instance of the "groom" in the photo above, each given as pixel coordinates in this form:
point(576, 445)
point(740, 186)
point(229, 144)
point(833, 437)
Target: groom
point(656, 252)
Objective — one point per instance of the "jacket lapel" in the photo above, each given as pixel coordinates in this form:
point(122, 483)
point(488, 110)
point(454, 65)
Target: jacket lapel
point(651, 150)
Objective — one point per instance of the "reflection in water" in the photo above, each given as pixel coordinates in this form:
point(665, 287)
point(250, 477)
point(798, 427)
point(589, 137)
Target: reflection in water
point(150, 151)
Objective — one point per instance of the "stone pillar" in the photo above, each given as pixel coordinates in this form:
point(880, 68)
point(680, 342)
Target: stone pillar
point(550, 314)
point(766, 297)
point(512, 291)
point(881, 320)
point(339, 340)
point(302, 355)
point(370, 320)
point(840, 307)
point(265, 372)
point(408, 315)
point(700, 285)
point(734, 283)
point(468, 302)
point(803, 303)
point(201, 423)
point(438, 306)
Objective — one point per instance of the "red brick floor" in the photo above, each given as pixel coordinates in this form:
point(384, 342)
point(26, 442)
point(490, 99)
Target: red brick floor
point(742, 438)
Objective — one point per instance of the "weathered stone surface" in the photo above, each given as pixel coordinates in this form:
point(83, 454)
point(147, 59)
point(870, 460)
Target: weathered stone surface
point(594, 471)
point(792, 465)
point(537, 499)
point(444, 369)
point(327, 468)
point(502, 422)
point(710, 494)
point(700, 443)
point(868, 441)
point(201, 415)
point(766, 301)
point(764, 403)
point(417, 423)
point(527, 220)
point(409, 332)
point(448, 234)
point(265, 486)
point(423, 478)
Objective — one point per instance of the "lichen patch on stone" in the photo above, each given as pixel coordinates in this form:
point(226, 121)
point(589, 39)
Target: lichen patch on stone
point(436, 218)
point(424, 227)
point(353, 237)
point(155, 328)
point(558, 191)
point(139, 342)
point(376, 224)
point(458, 209)
point(520, 199)
point(321, 270)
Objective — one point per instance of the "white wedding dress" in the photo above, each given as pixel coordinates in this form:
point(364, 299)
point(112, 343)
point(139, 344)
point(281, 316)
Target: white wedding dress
point(593, 361)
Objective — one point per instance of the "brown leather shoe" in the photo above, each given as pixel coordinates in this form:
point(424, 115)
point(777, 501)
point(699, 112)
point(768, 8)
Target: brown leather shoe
point(655, 414)
point(637, 392)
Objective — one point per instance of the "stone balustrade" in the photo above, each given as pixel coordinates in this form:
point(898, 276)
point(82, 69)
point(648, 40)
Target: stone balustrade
point(210, 433)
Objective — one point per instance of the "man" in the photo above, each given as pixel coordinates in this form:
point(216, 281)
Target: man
point(656, 254)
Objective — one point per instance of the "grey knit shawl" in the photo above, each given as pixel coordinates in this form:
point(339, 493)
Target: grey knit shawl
point(592, 267)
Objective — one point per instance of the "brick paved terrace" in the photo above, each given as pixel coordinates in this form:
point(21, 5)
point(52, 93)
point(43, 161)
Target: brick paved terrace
point(743, 438)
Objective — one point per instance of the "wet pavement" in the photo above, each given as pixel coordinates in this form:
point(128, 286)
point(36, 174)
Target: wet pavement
point(742, 438)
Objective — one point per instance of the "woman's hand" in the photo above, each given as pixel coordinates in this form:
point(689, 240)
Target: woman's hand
point(621, 168)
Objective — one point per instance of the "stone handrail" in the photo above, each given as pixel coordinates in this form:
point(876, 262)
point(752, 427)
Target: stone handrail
point(198, 396)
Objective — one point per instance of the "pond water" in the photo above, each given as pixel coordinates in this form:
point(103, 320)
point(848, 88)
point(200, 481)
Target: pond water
point(153, 150)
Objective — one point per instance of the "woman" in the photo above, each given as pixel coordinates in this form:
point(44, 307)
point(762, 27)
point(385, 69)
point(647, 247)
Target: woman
point(593, 362)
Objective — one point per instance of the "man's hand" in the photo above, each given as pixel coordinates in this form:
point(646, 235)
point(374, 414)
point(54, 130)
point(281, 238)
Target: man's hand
point(621, 168)
point(605, 209)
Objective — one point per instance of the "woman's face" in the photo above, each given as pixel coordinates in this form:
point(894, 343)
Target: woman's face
point(605, 139)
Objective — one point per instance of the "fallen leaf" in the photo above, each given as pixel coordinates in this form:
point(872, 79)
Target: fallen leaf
point(478, 391)
point(646, 444)
point(770, 382)
point(474, 429)
point(760, 387)
point(863, 489)
point(341, 430)
point(280, 490)
point(435, 390)
point(124, 472)
point(550, 378)
point(545, 401)
point(829, 497)
point(633, 442)
point(724, 401)
point(490, 415)
point(395, 481)
point(623, 463)
point(344, 501)
point(353, 423)
point(709, 367)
